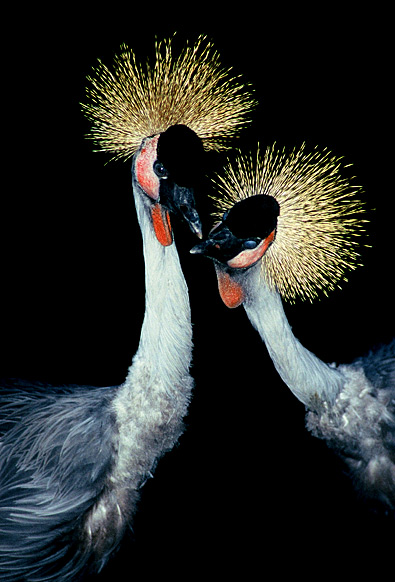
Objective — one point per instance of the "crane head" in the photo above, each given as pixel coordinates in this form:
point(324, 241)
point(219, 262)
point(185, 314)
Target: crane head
point(318, 231)
point(240, 241)
point(168, 167)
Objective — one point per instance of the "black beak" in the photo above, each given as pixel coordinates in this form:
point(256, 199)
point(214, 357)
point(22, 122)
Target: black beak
point(205, 248)
point(182, 202)
point(220, 244)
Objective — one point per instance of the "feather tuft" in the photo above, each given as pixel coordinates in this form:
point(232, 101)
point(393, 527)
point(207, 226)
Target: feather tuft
point(131, 102)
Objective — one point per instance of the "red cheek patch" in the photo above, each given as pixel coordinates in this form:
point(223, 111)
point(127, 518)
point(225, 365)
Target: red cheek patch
point(162, 226)
point(231, 292)
point(145, 174)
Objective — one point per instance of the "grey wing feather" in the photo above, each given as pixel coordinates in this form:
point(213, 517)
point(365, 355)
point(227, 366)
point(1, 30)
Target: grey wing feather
point(379, 367)
point(55, 453)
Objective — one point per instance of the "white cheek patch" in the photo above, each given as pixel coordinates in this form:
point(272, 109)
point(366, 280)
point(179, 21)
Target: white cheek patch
point(145, 174)
point(250, 256)
point(247, 257)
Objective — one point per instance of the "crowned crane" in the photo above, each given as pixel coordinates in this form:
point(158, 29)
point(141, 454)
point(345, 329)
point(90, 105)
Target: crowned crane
point(73, 460)
point(289, 227)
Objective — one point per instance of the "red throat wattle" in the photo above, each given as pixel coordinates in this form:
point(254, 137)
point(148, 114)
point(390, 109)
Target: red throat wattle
point(162, 226)
point(230, 291)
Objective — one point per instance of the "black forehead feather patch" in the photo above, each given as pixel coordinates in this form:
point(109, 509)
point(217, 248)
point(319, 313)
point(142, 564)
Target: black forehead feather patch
point(253, 217)
point(181, 152)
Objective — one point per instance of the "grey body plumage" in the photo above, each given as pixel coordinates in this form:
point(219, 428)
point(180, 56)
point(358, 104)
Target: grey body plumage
point(360, 425)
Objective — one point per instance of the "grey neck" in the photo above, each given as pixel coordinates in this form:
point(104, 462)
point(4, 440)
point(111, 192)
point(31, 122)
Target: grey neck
point(166, 333)
point(312, 381)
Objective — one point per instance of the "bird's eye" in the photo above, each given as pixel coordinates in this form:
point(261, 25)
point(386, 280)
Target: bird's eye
point(225, 216)
point(160, 170)
point(250, 244)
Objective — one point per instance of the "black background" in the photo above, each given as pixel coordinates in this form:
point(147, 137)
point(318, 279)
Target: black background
point(247, 489)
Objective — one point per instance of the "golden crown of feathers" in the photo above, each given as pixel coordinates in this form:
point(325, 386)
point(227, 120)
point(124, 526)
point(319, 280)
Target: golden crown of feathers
point(320, 220)
point(131, 102)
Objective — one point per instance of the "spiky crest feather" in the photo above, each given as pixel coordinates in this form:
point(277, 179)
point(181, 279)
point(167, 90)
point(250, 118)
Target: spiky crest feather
point(131, 102)
point(320, 219)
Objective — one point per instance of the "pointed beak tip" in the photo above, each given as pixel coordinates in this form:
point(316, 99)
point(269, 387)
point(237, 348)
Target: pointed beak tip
point(196, 228)
point(196, 250)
